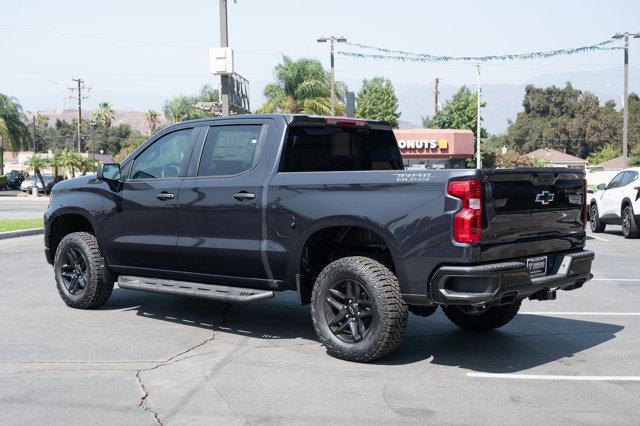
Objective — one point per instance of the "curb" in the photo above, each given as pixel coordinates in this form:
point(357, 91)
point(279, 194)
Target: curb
point(21, 233)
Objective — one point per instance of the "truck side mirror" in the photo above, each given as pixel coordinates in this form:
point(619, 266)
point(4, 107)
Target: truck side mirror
point(109, 172)
point(602, 187)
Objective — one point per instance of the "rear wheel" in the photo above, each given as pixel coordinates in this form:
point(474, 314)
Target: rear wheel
point(357, 309)
point(78, 271)
point(594, 220)
point(481, 318)
point(629, 225)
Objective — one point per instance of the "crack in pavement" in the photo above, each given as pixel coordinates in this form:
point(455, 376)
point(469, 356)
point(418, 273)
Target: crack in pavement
point(172, 360)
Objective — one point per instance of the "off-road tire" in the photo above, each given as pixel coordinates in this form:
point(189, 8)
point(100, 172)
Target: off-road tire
point(629, 225)
point(490, 319)
point(96, 292)
point(388, 309)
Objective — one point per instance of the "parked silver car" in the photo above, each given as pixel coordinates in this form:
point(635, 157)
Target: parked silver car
point(28, 183)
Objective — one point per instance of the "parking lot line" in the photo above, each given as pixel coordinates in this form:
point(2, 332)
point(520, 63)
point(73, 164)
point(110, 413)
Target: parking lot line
point(597, 238)
point(631, 314)
point(555, 377)
point(616, 279)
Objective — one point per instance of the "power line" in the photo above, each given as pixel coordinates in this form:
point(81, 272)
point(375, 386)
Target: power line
point(79, 88)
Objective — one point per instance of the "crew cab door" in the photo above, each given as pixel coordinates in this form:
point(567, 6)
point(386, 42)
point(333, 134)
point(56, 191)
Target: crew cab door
point(612, 198)
point(140, 225)
point(219, 206)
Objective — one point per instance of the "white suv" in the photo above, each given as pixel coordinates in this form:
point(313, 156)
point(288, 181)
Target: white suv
point(616, 203)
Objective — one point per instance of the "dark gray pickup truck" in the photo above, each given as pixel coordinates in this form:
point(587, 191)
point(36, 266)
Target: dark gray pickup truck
point(237, 208)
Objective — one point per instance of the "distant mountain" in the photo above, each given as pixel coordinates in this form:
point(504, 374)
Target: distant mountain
point(134, 118)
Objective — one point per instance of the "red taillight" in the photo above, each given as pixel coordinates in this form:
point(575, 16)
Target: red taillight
point(584, 205)
point(345, 121)
point(467, 223)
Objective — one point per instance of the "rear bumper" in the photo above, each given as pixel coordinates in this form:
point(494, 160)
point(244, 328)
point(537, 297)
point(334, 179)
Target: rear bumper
point(505, 282)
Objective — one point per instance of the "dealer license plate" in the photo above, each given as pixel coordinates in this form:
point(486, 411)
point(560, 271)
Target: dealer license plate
point(537, 266)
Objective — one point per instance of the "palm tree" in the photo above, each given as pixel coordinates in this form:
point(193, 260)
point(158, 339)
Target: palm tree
point(301, 86)
point(13, 131)
point(42, 120)
point(104, 115)
point(87, 165)
point(71, 162)
point(152, 118)
point(35, 164)
point(180, 108)
point(57, 164)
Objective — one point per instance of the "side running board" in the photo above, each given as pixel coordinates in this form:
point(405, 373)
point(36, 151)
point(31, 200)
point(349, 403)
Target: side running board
point(207, 291)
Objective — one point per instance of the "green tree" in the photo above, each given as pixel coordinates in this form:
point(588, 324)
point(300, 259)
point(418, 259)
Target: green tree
point(608, 152)
point(71, 161)
point(461, 112)
point(13, 131)
point(104, 115)
point(56, 163)
point(35, 164)
point(377, 101)
point(181, 107)
point(302, 86)
point(568, 120)
point(152, 118)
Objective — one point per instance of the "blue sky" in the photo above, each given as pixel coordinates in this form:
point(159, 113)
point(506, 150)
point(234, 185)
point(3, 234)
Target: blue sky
point(137, 53)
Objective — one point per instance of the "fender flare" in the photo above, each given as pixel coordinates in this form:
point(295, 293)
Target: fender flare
point(345, 220)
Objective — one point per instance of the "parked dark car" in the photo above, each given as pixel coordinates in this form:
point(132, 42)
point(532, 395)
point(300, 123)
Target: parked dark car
point(14, 179)
point(237, 208)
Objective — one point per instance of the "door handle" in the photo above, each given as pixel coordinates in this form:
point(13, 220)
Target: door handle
point(244, 195)
point(165, 196)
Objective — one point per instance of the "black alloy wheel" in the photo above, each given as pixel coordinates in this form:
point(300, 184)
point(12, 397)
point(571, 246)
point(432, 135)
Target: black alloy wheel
point(74, 272)
point(349, 311)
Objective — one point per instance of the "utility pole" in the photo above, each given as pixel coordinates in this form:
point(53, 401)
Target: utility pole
point(79, 88)
point(332, 40)
point(478, 159)
point(224, 42)
point(625, 106)
point(33, 132)
point(436, 93)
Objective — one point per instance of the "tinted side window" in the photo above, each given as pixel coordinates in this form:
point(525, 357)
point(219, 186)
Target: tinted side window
point(230, 150)
point(335, 148)
point(629, 177)
point(616, 181)
point(165, 158)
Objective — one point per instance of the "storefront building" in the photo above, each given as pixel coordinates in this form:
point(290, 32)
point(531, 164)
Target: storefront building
point(435, 148)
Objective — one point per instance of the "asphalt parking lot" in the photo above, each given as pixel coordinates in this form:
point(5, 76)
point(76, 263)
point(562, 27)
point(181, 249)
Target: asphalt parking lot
point(14, 207)
point(146, 358)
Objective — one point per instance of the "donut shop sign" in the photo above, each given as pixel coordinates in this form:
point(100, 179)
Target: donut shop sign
point(441, 144)
point(435, 143)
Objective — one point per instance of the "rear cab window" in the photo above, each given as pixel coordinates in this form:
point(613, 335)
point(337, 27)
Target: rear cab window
point(326, 148)
point(230, 150)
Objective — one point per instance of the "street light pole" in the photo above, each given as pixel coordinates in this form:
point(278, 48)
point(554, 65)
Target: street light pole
point(224, 42)
point(478, 159)
point(625, 105)
point(332, 40)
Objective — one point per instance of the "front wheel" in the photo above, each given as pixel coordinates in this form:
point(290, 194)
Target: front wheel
point(481, 318)
point(357, 309)
point(629, 225)
point(78, 271)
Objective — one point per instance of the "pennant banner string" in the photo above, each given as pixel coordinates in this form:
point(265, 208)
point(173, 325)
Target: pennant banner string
point(405, 56)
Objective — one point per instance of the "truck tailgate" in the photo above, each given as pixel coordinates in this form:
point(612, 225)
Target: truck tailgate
point(532, 211)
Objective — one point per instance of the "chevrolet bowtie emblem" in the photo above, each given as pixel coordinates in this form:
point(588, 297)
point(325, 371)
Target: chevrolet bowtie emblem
point(545, 197)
